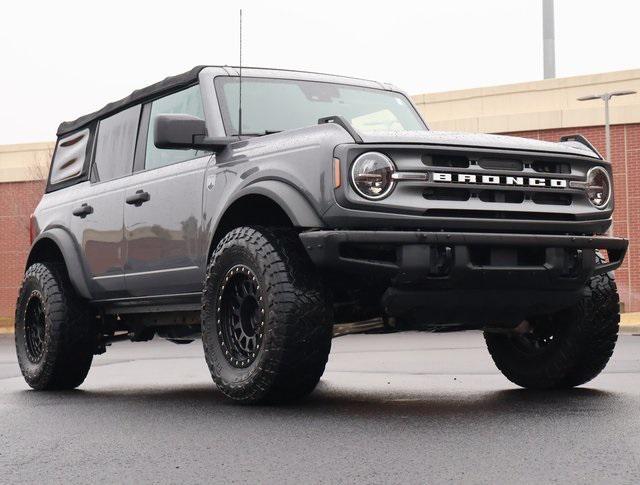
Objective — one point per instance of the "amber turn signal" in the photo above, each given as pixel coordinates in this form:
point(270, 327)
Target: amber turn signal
point(337, 181)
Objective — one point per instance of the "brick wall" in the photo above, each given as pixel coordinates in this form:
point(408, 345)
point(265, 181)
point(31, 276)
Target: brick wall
point(625, 157)
point(17, 201)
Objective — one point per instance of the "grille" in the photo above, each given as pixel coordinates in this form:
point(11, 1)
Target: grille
point(552, 199)
point(485, 198)
point(504, 196)
point(441, 193)
point(551, 167)
point(446, 161)
point(512, 165)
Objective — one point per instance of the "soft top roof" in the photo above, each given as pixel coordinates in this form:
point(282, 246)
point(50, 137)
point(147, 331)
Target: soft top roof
point(168, 84)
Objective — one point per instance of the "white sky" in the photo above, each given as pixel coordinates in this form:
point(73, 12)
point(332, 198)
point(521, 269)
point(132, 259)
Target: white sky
point(65, 58)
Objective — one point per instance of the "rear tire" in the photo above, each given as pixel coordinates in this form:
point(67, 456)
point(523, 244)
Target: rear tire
point(566, 349)
point(54, 334)
point(266, 320)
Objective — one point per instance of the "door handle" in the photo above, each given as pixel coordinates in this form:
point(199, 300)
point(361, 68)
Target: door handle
point(139, 198)
point(83, 211)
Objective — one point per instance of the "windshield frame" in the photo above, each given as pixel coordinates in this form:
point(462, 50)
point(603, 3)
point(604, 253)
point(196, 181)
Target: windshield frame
point(226, 115)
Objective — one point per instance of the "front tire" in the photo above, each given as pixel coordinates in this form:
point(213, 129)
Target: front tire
point(54, 335)
point(565, 349)
point(266, 319)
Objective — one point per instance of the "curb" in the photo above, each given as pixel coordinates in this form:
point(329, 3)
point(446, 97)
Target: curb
point(6, 325)
point(630, 322)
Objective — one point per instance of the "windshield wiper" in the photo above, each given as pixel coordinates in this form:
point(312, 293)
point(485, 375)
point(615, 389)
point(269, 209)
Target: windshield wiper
point(265, 132)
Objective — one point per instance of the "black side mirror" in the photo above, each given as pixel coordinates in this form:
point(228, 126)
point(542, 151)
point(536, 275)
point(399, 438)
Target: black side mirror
point(181, 131)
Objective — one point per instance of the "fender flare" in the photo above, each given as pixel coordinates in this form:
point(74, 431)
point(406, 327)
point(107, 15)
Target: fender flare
point(65, 243)
point(293, 203)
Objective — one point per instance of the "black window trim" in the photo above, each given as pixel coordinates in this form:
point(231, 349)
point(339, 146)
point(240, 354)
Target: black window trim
point(83, 176)
point(140, 156)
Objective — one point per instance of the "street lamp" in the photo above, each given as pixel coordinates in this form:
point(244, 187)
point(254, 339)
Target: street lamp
point(607, 129)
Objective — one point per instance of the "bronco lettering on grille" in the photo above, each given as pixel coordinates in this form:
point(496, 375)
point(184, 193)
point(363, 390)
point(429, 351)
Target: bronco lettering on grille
point(465, 178)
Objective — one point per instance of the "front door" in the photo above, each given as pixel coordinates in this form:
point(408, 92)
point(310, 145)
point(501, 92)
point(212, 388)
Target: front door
point(163, 210)
point(162, 231)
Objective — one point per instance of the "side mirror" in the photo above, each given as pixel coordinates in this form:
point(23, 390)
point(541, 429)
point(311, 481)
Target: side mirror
point(183, 132)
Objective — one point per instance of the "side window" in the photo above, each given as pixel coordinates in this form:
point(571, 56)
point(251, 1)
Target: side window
point(116, 145)
point(70, 155)
point(187, 102)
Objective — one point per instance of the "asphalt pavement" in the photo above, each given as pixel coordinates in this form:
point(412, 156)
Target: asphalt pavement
point(400, 408)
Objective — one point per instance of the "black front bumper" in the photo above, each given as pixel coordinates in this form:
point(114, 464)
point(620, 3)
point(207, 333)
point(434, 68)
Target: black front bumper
point(465, 275)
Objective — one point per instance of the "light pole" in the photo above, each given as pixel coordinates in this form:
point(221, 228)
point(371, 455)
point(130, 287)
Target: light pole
point(548, 39)
point(607, 129)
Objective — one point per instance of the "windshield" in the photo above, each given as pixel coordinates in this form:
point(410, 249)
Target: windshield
point(272, 105)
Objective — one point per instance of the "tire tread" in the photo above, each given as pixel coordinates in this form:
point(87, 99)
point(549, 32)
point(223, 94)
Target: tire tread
point(300, 318)
point(585, 350)
point(69, 337)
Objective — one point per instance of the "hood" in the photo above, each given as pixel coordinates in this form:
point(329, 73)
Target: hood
point(476, 140)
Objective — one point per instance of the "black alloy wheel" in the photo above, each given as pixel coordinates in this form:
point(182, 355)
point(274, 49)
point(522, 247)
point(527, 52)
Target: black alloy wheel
point(241, 316)
point(34, 327)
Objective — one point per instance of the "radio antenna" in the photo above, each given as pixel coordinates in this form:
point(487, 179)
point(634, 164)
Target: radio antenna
point(240, 82)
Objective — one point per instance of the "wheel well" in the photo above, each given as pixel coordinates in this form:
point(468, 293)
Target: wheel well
point(45, 250)
point(250, 210)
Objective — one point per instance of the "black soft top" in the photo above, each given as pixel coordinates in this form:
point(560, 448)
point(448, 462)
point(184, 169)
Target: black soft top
point(168, 84)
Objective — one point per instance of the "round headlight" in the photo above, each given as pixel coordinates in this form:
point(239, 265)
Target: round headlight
point(598, 187)
point(371, 175)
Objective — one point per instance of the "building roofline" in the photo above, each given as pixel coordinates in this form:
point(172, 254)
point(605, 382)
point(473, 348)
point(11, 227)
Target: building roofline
point(536, 105)
point(26, 147)
point(529, 86)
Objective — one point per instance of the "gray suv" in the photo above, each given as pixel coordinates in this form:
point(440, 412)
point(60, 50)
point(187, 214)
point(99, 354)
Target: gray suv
point(257, 212)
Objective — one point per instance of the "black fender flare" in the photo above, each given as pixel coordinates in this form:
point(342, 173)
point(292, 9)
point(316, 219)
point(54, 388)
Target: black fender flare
point(67, 246)
point(293, 203)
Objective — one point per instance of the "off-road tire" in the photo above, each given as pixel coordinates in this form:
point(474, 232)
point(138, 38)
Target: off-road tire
point(582, 345)
point(68, 334)
point(297, 322)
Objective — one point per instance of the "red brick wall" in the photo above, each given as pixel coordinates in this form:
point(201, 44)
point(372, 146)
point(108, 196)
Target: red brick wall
point(625, 157)
point(17, 201)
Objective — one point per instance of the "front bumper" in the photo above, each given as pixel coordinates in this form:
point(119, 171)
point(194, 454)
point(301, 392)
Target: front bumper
point(462, 274)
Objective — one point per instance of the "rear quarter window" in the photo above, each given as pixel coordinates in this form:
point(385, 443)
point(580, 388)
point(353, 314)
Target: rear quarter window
point(70, 159)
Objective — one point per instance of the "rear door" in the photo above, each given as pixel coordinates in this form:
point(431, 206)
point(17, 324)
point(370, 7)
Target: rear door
point(97, 216)
point(163, 215)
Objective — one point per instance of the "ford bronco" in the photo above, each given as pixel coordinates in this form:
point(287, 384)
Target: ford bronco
point(258, 211)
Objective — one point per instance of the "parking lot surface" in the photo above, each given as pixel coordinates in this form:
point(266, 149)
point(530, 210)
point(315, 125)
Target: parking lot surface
point(400, 408)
